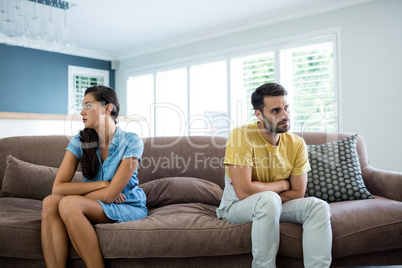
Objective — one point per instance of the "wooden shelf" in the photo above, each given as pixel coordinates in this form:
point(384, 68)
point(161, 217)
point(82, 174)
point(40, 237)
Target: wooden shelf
point(75, 117)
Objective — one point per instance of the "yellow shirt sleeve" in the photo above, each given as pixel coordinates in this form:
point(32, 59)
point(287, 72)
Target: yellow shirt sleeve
point(239, 149)
point(301, 165)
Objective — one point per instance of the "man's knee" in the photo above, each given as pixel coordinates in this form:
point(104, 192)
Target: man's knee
point(268, 202)
point(319, 207)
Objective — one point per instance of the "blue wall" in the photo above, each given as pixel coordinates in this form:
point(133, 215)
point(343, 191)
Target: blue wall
point(36, 81)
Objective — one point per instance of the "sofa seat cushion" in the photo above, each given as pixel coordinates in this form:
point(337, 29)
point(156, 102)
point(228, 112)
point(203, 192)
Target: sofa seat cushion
point(192, 229)
point(20, 221)
point(358, 227)
point(366, 226)
point(178, 230)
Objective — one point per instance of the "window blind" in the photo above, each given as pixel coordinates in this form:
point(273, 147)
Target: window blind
point(254, 71)
point(310, 77)
point(307, 72)
point(81, 83)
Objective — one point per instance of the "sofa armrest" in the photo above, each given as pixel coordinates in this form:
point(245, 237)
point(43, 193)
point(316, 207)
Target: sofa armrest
point(383, 183)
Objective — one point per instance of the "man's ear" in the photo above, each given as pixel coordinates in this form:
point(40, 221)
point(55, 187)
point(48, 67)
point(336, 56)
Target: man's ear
point(258, 114)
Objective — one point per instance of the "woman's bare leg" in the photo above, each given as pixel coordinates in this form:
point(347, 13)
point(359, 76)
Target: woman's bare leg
point(78, 214)
point(53, 233)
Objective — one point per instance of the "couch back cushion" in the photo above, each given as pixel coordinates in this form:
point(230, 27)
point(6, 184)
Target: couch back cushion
point(195, 156)
point(27, 180)
point(317, 138)
point(40, 150)
point(178, 190)
point(189, 156)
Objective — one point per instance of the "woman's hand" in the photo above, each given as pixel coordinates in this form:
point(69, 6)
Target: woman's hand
point(120, 199)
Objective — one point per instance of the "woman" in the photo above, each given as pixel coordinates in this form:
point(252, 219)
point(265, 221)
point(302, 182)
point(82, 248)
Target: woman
point(109, 158)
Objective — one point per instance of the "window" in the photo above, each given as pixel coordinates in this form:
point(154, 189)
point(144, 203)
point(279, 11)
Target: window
point(308, 74)
point(171, 103)
point(208, 99)
point(213, 97)
point(247, 74)
point(79, 80)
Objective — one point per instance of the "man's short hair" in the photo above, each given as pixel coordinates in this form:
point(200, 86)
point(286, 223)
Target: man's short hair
point(268, 89)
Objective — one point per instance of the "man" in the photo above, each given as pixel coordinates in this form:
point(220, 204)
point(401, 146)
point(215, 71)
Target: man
point(266, 179)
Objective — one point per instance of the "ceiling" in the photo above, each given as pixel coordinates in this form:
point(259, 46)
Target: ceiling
point(128, 27)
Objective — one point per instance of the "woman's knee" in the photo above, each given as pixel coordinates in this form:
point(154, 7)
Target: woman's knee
point(68, 206)
point(50, 204)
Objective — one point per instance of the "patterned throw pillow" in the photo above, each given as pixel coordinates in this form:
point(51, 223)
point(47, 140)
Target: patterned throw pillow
point(335, 173)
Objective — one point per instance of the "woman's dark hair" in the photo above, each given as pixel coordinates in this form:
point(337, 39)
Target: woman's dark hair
point(106, 95)
point(268, 89)
point(88, 136)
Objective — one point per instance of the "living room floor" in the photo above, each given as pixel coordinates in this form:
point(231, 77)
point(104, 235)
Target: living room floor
point(392, 266)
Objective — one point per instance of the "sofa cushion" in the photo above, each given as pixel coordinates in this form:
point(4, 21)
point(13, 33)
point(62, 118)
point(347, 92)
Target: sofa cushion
point(20, 221)
point(189, 230)
point(358, 227)
point(175, 190)
point(335, 173)
point(178, 230)
point(184, 230)
point(27, 180)
point(366, 226)
point(20, 229)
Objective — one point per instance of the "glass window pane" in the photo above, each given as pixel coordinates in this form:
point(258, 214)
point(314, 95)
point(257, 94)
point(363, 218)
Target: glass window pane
point(248, 73)
point(208, 100)
point(309, 72)
point(171, 103)
point(140, 100)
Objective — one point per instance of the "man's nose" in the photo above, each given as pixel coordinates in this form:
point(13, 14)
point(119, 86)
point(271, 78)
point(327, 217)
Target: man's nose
point(285, 113)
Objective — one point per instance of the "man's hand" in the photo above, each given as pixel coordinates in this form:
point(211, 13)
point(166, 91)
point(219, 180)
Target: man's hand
point(297, 188)
point(287, 184)
point(120, 199)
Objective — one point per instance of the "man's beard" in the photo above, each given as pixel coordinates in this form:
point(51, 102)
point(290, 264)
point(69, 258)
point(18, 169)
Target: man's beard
point(275, 128)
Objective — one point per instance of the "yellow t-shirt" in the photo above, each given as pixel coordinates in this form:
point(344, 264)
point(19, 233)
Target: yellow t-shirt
point(247, 147)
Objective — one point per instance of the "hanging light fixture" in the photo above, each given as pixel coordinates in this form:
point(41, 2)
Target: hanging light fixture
point(42, 24)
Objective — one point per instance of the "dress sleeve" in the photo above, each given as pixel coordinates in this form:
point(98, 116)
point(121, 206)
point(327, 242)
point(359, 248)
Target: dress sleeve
point(135, 147)
point(75, 147)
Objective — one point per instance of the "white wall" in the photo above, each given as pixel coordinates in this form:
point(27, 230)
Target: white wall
point(29, 127)
point(25, 127)
point(370, 67)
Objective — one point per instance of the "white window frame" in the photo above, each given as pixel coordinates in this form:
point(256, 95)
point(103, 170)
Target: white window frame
point(82, 71)
point(322, 36)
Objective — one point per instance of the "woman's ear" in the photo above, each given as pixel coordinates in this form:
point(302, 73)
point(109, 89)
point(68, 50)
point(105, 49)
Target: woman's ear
point(109, 108)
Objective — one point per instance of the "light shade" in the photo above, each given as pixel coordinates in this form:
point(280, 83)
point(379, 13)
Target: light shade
point(42, 24)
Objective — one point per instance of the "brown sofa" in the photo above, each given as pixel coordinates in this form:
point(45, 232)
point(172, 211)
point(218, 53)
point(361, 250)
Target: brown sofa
point(183, 179)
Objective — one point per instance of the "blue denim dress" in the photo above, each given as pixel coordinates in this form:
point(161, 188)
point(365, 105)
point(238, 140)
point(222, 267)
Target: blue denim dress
point(124, 145)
